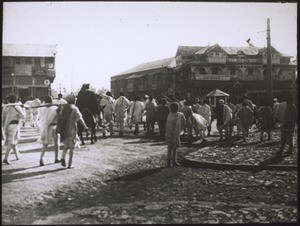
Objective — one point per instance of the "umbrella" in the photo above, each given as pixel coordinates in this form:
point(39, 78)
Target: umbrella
point(217, 93)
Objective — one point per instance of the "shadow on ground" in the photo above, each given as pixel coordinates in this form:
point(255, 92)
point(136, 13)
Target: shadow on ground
point(138, 175)
point(16, 177)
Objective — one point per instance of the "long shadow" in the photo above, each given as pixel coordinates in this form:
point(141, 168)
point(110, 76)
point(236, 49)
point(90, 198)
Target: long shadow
point(11, 178)
point(135, 176)
point(137, 142)
point(144, 139)
point(51, 148)
point(269, 144)
point(16, 170)
point(272, 160)
point(250, 143)
point(159, 144)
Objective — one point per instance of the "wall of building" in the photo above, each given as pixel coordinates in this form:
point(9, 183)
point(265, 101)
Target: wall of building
point(26, 76)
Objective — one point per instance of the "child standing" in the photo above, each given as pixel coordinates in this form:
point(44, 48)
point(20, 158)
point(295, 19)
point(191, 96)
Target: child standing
point(175, 124)
point(68, 116)
point(11, 116)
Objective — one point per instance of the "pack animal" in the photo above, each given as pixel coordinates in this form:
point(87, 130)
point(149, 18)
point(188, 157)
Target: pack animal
point(91, 123)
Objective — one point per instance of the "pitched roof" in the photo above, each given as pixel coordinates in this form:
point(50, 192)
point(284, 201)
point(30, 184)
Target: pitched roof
point(28, 50)
point(135, 76)
point(167, 62)
point(199, 50)
point(217, 93)
point(246, 50)
point(188, 50)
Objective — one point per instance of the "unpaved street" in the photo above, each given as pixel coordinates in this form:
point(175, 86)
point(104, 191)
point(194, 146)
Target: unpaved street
point(124, 180)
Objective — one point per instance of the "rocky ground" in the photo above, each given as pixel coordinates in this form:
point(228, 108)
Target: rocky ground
point(125, 181)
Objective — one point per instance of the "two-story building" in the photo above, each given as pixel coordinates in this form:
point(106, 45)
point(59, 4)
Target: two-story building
point(197, 70)
point(235, 70)
point(152, 78)
point(27, 70)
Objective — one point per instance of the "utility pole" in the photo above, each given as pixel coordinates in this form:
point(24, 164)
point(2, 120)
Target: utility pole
point(72, 80)
point(269, 66)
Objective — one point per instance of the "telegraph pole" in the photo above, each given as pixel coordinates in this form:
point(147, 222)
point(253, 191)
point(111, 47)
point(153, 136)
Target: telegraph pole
point(269, 66)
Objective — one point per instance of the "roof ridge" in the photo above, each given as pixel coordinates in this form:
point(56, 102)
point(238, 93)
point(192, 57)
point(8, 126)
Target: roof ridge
point(148, 66)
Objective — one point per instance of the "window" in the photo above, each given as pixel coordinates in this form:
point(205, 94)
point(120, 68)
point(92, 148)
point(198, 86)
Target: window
point(28, 60)
point(218, 54)
point(49, 60)
point(232, 71)
point(18, 61)
point(37, 61)
point(202, 71)
point(214, 71)
point(5, 62)
point(250, 71)
point(154, 77)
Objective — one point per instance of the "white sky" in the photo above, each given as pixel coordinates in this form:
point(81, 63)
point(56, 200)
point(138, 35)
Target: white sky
point(97, 40)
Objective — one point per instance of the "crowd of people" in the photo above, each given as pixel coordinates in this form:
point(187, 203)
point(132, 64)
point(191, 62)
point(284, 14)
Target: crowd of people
point(58, 120)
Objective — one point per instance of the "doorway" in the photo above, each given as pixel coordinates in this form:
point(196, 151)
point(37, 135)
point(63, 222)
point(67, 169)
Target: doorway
point(24, 94)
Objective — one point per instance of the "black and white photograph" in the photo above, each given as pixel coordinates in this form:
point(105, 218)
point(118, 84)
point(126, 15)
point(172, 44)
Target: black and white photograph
point(94, 94)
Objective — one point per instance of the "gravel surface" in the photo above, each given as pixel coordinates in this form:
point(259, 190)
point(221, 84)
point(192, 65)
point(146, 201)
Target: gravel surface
point(133, 186)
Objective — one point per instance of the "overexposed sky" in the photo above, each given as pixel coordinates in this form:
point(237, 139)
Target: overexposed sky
point(97, 40)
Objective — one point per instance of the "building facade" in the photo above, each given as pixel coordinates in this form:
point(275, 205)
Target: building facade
point(199, 70)
point(28, 70)
point(234, 70)
point(152, 78)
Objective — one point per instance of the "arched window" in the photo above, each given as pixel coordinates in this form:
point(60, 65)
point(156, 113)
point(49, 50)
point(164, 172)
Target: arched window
point(214, 71)
point(202, 71)
point(232, 71)
point(250, 71)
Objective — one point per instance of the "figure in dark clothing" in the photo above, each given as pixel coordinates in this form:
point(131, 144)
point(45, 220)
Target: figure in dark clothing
point(88, 106)
point(162, 116)
point(87, 99)
point(265, 120)
point(288, 127)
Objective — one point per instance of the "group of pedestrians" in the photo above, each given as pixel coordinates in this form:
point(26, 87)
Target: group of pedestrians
point(58, 120)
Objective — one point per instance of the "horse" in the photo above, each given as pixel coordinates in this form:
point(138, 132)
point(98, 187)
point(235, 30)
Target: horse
point(91, 123)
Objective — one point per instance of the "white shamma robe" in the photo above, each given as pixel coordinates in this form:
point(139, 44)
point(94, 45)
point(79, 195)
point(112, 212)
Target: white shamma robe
point(136, 111)
point(47, 124)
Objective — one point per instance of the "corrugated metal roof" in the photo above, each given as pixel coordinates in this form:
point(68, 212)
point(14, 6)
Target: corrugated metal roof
point(28, 50)
point(231, 50)
point(188, 50)
point(246, 50)
point(167, 62)
point(135, 76)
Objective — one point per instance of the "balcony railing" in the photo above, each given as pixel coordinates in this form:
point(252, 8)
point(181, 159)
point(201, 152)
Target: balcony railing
point(274, 61)
point(212, 77)
point(240, 61)
point(23, 69)
point(216, 60)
